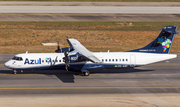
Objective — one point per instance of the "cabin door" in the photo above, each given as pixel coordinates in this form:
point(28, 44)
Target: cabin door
point(132, 60)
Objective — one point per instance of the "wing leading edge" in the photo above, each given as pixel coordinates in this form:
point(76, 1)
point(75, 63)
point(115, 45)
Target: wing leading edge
point(82, 50)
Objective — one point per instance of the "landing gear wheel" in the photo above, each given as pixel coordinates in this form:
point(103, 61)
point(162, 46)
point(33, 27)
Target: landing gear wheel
point(85, 73)
point(14, 72)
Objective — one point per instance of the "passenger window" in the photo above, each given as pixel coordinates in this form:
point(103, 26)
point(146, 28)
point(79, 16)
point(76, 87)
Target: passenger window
point(126, 59)
point(113, 60)
point(123, 60)
point(102, 60)
point(116, 60)
point(109, 60)
point(106, 60)
point(119, 59)
point(59, 60)
point(42, 60)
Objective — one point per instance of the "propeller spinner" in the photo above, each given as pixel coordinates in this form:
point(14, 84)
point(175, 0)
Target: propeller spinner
point(58, 48)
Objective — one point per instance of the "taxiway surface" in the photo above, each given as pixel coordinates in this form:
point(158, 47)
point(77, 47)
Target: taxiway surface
point(90, 11)
point(53, 3)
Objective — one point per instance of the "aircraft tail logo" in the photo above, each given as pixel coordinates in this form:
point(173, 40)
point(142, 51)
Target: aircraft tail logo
point(166, 43)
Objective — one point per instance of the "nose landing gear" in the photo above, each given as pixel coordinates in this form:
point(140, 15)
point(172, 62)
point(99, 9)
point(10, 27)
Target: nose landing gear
point(14, 72)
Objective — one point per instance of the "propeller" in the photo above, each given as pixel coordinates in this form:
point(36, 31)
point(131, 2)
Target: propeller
point(66, 58)
point(58, 48)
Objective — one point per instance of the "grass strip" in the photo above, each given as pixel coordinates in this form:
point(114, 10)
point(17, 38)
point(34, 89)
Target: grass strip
point(18, 37)
point(110, 26)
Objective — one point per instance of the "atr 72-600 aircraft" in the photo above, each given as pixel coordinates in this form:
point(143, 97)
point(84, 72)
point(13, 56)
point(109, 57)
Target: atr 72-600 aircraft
point(78, 58)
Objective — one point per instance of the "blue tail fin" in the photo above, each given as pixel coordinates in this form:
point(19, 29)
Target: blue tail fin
point(162, 44)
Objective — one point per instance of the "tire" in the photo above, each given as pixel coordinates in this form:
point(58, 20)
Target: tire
point(85, 73)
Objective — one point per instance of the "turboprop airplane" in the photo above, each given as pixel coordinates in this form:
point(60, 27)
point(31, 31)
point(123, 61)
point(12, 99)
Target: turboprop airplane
point(78, 58)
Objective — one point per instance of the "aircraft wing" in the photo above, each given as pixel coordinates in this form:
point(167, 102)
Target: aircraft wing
point(82, 50)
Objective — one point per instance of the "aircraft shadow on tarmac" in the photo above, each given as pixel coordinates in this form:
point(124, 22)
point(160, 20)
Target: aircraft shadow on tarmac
point(126, 70)
point(68, 77)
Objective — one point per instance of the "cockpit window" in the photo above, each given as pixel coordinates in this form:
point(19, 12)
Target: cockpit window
point(17, 58)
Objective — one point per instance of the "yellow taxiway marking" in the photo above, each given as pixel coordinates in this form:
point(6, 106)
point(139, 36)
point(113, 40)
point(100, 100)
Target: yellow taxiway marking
point(12, 88)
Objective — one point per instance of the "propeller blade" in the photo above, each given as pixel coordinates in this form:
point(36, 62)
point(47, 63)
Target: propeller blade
point(58, 48)
point(66, 68)
point(66, 58)
point(65, 52)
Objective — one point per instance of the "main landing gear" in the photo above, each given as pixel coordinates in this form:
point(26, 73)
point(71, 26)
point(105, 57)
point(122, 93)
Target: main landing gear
point(85, 73)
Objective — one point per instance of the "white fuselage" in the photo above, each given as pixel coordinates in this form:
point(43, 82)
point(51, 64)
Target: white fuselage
point(108, 60)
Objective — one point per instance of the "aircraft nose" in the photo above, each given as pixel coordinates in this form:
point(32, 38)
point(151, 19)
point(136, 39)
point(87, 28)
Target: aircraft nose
point(7, 64)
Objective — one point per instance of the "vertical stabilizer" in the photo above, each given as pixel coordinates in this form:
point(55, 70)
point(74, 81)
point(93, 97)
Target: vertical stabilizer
point(162, 44)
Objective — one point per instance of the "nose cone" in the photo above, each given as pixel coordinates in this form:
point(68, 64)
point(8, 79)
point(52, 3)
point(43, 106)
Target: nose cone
point(7, 64)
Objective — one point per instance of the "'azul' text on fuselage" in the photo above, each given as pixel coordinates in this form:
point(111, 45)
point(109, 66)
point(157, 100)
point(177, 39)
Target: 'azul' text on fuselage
point(32, 61)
